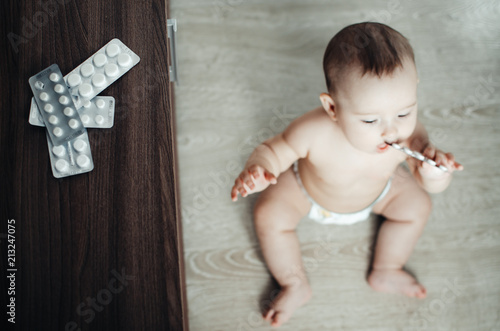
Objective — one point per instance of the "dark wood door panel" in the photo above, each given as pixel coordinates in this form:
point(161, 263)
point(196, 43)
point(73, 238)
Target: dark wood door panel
point(102, 250)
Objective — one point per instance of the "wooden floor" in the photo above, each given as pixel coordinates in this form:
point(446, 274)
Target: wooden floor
point(246, 69)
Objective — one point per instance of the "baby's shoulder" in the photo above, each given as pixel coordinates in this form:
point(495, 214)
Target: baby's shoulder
point(313, 126)
point(314, 121)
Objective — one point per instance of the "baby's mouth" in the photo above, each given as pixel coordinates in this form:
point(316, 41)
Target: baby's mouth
point(382, 147)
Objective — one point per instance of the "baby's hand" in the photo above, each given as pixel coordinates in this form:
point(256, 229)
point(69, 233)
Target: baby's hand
point(253, 179)
point(441, 158)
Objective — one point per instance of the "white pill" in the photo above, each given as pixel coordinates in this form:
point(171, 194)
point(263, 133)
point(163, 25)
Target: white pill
point(59, 88)
point(87, 104)
point(100, 103)
point(54, 77)
point(62, 165)
point(112, 50)
point(39, 85)
point(85, 119)
point(396, 146)
point(124, 60)
point(83, 161)
point(100, 60)
point(68, 111)
point(442, 167)
point(98, 80)
point(87, 70)
point(53, 119)
point(85, 90)
point(419, 156)
point(408, 151)
point(44, 96)
point(75, 79)
point(57, 131)
point(48, 108)
point(111, 70)
point(80, 145)
point(64, 100)
point(99, 119)
point(58, 151)
point(73, 123)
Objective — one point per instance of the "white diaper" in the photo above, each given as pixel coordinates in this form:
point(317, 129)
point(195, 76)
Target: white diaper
point(324, 216)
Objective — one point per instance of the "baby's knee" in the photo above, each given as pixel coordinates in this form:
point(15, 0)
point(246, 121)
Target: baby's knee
point(426, 204)
point(270, 218)
point(262, 215)
point(422, 206)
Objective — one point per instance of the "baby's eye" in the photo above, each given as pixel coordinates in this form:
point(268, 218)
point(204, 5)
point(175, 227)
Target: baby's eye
point(404, 115)
point(368, 121)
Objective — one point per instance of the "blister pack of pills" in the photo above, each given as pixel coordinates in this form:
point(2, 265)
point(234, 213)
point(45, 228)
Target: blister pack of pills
point(96, 113)
point(56, 105)
point(100, 70)
point(71, 158)
point(68, 105)
point(417, 156)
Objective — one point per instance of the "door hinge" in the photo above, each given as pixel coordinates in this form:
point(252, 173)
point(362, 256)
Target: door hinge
point(171, 30)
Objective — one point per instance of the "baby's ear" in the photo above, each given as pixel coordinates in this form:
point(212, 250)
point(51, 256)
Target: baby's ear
point(328, 105)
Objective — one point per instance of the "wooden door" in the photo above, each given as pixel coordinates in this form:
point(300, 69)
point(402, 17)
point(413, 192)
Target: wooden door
point(101, 250)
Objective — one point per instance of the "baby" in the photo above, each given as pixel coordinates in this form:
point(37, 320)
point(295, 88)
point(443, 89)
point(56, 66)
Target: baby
point(335, 164)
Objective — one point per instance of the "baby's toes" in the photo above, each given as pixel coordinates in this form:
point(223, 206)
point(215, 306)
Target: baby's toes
point(421, 292)
point(279, 319)
point(269, 315)
point(415, 291)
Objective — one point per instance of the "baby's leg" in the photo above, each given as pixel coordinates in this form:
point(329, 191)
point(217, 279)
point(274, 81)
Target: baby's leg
point(406, 209)
point(277, 213)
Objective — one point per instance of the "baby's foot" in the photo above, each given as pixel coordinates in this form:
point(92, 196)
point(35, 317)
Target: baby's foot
point(396, 281)
point(288, 300)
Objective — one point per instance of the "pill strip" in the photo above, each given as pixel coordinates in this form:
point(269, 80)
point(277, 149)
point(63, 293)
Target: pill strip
point(417, 156)
point(71, 158)
point(57, 108)
point(96, 113)
point(100, 70)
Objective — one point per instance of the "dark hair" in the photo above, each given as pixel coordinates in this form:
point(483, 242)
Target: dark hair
point(373, 47)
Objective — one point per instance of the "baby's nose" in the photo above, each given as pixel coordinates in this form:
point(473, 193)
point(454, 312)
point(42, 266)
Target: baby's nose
point(390, 133)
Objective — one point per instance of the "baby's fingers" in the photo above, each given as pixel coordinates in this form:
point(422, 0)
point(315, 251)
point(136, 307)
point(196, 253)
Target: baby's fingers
point(234, 193)
point(270, 177)
point(429, 152)
point(452, 164)
point(254, 171)
point(238, 188)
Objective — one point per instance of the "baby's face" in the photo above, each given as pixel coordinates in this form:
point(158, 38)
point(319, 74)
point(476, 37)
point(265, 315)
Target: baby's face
point(372, 111)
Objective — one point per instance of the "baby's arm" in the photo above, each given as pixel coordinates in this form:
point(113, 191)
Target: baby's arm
point(430, 178)
point(273, 157)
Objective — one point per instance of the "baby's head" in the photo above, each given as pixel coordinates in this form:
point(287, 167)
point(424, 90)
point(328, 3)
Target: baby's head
point(372, 85)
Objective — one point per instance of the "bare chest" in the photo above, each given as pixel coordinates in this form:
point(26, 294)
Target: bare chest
point(346, 182)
